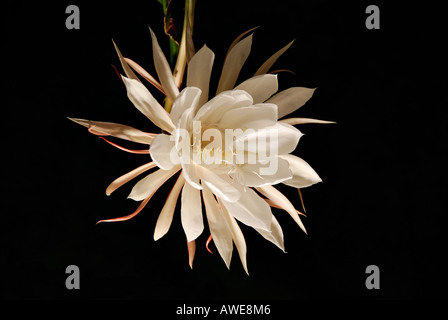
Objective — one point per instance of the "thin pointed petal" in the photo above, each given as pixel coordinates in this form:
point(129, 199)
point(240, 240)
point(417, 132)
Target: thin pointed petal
point(233, 64)
point(275, 235)
point(128, 71)
point(268, 63)
point(130, 216)
point(166, 215)
point(146, 104)
point(238, 39)
point(117, 183)
point(199, 71)
point(250, 209)
point(277, 206)
point(116, 130)
point(291, 99)
point(191, 212)
point(279, 198)
point(148, 185)
point(237, 235)
point(146, 75)
point(219, 229)
point(145, 151)
point(295, 121)
point(163, 69)
point(191, 245)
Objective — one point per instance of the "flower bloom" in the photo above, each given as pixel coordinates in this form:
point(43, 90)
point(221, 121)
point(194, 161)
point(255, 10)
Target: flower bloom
point(230, 150)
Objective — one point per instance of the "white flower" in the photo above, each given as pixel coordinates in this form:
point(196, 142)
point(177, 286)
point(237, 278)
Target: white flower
point(212, 159)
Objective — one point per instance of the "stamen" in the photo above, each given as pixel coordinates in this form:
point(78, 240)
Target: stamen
point(207, 243)
point(125, 149)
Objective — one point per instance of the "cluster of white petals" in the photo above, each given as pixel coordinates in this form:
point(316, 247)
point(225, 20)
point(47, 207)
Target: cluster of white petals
point(231, 191)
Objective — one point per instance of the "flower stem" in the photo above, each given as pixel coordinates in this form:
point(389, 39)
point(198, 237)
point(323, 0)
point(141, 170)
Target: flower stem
point(181, 62)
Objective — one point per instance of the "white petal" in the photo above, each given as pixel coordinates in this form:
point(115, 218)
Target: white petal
point(252, 117)
point(261, 87)
point(279, 139)
point(295, 121)
point(191, 212)
point(116, 130)
point(166, 215)
point(251, 175)
point(117, 183)
point(148, 185)
point(199, 71)
point(220, 185)
point(275, 235)
point(163, 70)
point(237, 235)
point(188, 98)
point(161, 151)
point(233, 64)
point(250, 209)
point(127, 70)
point(291, 99)
point(268, 63)
point(280, 199)
point(303, 174)
point(146, 104)
point(222, 237)
point(212, 111)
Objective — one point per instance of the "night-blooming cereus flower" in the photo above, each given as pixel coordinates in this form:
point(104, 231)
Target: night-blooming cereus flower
point(222, 149)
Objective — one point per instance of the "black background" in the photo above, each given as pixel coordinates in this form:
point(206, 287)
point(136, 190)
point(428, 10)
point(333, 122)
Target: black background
point(383, 197)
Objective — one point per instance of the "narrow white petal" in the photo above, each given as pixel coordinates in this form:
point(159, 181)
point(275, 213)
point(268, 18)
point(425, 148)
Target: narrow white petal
point(191, 212)
point(260, 87)
point(250, 209)
point(199, 71)
point(212, 111)
point(251, 175)
point(161, 149)
point(233, 64)
point(295, 121)
point(127, 70)
point(280, 199)
point(222, 237)
point(128, 177)
point(163, 69)
point(303, 174)
point(254, 117)
point(188, 98)
point(148, 185)
point(146, 104)
point(275, 235)
point(237, 235)
point(268, 63)
point(221, 185)
point(166, 215)
point(116, 130)
point(291, 99)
